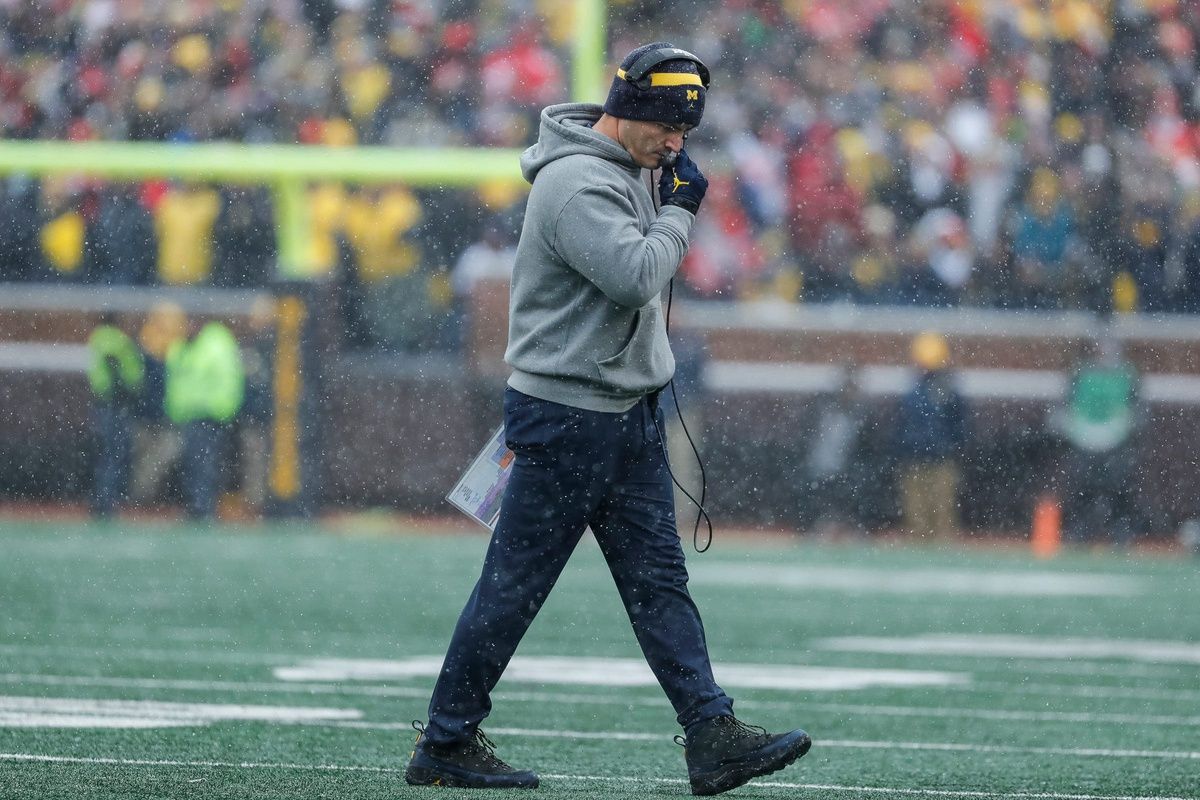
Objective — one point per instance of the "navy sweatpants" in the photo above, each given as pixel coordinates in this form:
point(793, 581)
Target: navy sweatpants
point(573, 469)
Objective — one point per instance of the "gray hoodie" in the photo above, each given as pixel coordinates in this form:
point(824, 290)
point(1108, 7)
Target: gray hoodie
point(586, 327)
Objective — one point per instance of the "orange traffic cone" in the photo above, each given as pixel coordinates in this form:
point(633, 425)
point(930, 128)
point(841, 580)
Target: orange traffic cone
point(1046, 537)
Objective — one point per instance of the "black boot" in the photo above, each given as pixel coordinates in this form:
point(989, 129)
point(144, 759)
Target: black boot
point(468, 765)
point(723, 753)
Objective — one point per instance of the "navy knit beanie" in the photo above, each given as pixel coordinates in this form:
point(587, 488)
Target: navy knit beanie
point(666, 100)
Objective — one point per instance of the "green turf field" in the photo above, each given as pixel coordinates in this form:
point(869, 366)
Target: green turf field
point(175, 662)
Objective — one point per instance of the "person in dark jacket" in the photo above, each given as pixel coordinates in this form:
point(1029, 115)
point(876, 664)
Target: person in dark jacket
point(123, 239)
point(929, 436)
point(157, 442)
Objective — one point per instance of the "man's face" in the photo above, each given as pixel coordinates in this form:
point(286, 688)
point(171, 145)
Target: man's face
point(648, 142)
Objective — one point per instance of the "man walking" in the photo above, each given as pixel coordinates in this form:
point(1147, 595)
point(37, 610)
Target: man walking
point(589, 352)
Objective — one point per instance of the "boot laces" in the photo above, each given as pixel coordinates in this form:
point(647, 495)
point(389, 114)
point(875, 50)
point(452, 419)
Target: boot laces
point(485, 749)
point(740, 729)
point(479, 746)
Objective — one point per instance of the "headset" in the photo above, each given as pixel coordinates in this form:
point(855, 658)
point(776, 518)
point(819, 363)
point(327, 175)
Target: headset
point(639, 72)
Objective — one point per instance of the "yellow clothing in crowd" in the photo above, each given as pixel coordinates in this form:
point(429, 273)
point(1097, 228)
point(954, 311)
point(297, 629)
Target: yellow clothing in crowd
point(184, 223)
point(375, 228)
point(62, 241)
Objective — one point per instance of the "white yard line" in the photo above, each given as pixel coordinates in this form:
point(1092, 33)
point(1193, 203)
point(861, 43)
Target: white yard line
point(153, 654)
point(1060, 689)
point(373, 690)
point(815, 787)
point(81, 712)
point(154, 708)
point(1016, 666)
point(875, 580)
point(1010, 646)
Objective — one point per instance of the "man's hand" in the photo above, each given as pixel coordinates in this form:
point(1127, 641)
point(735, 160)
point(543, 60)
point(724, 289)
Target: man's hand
point(683, 184)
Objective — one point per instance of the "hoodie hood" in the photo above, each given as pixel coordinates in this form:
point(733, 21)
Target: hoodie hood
point(565, 130)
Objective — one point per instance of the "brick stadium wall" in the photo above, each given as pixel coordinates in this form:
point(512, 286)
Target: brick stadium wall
point(397, 433)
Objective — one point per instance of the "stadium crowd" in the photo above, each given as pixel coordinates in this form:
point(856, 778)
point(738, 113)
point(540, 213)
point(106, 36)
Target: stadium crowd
point(1005, 153)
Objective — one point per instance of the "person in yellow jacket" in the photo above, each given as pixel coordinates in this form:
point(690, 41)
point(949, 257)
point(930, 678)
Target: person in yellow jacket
point(116, 374)
point(205, 385)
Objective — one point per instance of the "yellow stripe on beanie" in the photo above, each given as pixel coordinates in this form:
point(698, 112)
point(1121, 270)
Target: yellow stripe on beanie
point(669, 78)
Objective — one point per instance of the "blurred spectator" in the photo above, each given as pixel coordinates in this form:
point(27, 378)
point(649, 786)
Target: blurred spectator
point(116, 375)
point(930, 431)
point(989, 162)
point(205, 386)
point(941, 259)
point(826, 222)
point(19, 251)
point(490, 258)
point(835, 467)
point(1144, 231)
point(922, 178)
point(397, 303)
point(63, 232)
point(1188, 297)
point(123, 239)
point(876, 271)
point(1098, 422)
point(761, 181)
point(183, 218)
point(1042, 229)
point(723, 260)
point(157, 443)
point(254, 418)
point(244, 242)
point(525, 71)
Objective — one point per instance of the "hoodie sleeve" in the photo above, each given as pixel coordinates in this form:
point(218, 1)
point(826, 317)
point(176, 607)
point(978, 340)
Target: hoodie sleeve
point(597, 234)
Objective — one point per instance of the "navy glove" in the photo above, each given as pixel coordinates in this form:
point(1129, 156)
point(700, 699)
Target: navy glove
point(682, 184)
